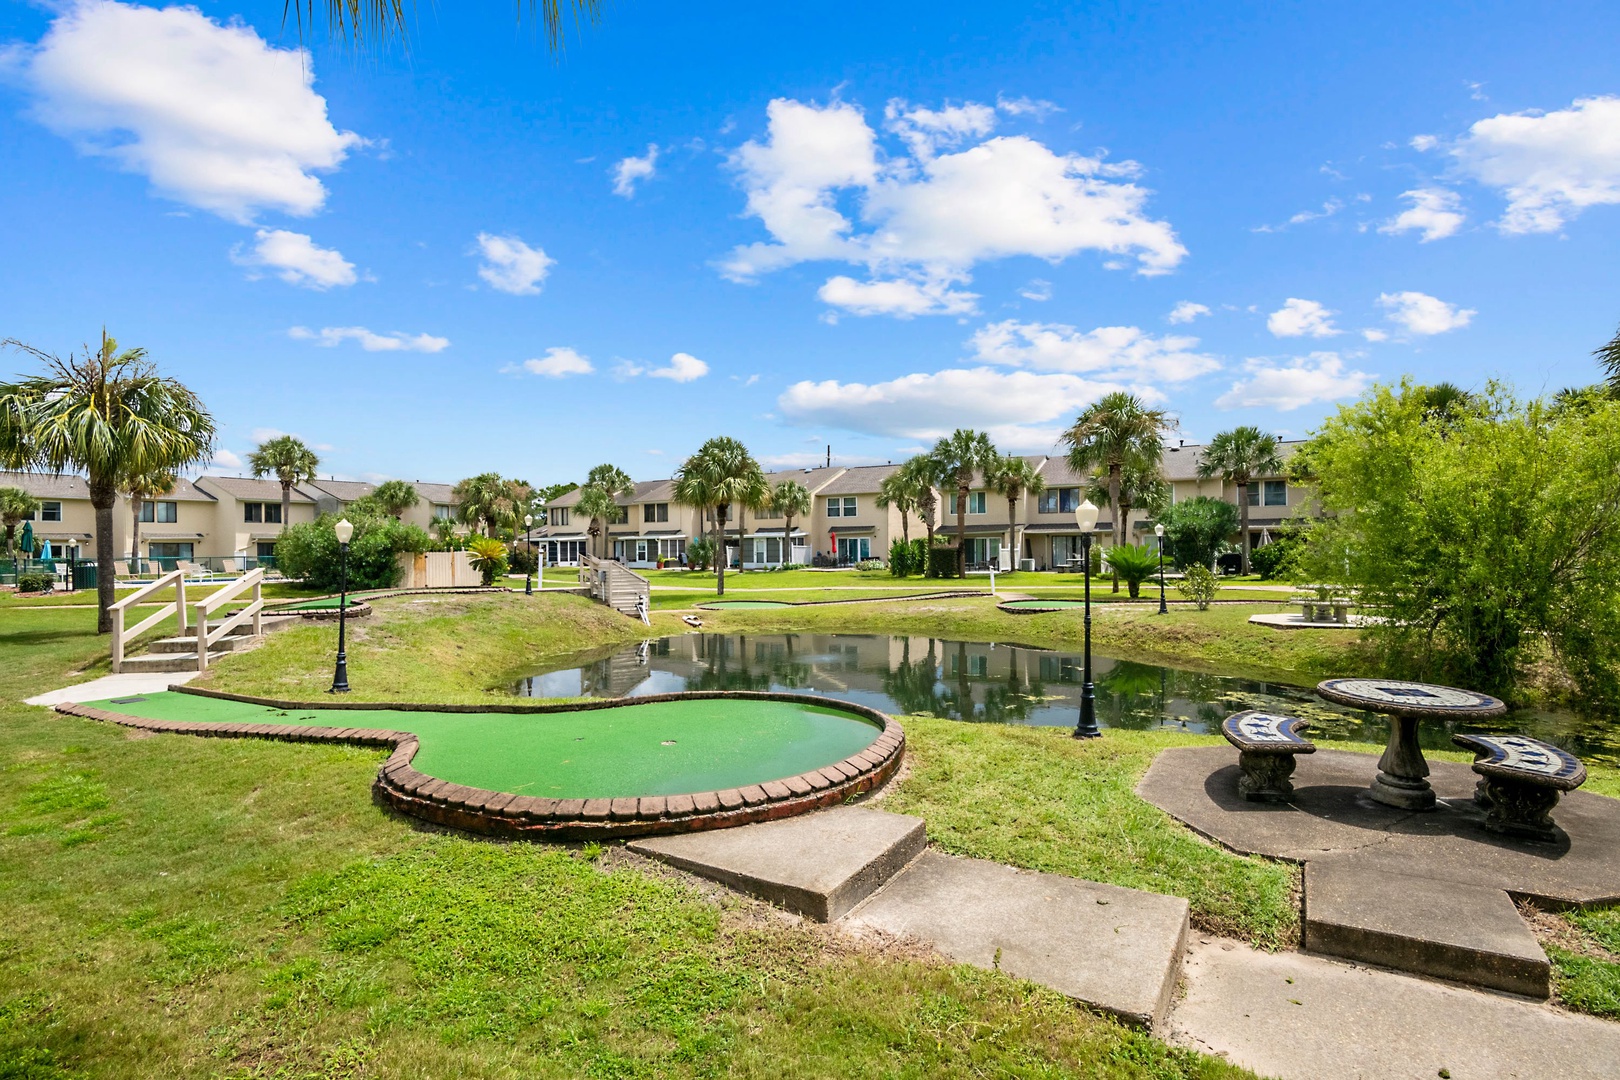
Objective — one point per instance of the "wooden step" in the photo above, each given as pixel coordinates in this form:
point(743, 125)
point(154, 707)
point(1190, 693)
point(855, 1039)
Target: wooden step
point(168, 661)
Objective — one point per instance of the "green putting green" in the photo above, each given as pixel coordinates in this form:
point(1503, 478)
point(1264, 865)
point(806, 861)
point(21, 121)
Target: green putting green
point(324, 603)
point(743, 605)
point(1041, 605)
point(659, 748)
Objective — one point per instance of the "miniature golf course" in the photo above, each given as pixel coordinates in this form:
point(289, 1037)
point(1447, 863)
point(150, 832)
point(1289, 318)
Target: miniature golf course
point(1032, 607)
point(658, 764)
point(743, 605)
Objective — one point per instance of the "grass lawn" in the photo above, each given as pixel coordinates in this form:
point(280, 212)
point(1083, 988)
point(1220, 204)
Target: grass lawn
point(87, 597)
point(186, 907)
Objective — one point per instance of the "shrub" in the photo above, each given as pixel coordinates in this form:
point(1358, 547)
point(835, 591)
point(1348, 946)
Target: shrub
point(488, 557)
point(1199, 585)
point(867, 566)
point(699, 553)
point(1280, 558)
point(899, 558)
point(35, 582)
point(941, 561)
point(523, 560)
point(308, 552)
point(1134, 565)
point(1194, 529)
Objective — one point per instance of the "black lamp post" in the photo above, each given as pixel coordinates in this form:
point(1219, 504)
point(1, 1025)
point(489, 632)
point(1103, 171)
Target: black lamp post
point(539, 558)
point(528, 565)
point(340, 677)
point(1085, 515)
point(1158, 530)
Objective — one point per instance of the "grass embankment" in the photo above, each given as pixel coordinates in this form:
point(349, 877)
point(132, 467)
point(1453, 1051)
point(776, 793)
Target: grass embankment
point(87, 597)
point(187, 907)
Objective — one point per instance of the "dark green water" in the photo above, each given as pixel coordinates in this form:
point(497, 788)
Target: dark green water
point(995, 683)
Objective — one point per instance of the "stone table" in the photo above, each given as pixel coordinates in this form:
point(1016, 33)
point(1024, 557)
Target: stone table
point(1403, 776)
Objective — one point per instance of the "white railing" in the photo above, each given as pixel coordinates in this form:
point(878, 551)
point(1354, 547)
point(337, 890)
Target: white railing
point(205, 608)
point(121, 636)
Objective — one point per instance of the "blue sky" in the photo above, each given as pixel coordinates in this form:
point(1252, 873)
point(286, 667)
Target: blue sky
point(858, 224)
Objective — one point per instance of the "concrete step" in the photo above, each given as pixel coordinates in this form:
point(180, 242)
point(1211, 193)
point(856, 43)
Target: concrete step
point(1455, 930)
point(152, 662)
point(229, 643)
point(819, 865)
point(1114, 949)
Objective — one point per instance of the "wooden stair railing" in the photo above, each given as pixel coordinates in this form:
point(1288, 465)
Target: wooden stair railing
point(121, 637)
point(205, 608)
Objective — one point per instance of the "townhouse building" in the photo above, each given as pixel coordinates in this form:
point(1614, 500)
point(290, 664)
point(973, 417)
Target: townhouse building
point(435, 502)
point(1273, 499)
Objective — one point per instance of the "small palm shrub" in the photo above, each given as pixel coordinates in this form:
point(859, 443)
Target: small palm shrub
point(488, 557)
point(699, 553)
point(1133, 564)
point(1199, 585)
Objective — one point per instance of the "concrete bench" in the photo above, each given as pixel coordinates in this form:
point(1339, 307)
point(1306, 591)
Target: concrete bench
point(1266, 743)
point(1521, 780)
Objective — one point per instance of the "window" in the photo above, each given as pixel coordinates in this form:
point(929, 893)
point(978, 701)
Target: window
point(253, 512)
point(1058, 501)
point(266, 549)
point(163, 513)
point(655, 512)
point(844, 507)
point(1276, 493)
point(272, 513)
point(441, 511)
point(622, 517)
point(854, 549)
point(975, 502)
point(557, 515)
point(169, 551)
point(51, 511)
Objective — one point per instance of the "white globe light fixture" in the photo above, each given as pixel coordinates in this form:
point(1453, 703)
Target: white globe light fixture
point(1085, 515)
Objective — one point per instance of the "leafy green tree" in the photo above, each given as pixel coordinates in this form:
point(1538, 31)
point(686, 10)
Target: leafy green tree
point(1200, 585)
point(1117, 430)
point(712, 480)
point(16, 507)
point(1132, 563)
point(309, 551)
point(292, 463)
point(1483, 544)
point(485, 502)
point(1242, 454)
point(1014, 477)
point(956, 460)
point(395, 497)
point(1194, 529)
point(110, 414)
point(140, 488)
point(792, 500)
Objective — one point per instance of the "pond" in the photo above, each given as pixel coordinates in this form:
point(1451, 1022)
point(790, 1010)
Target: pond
point(991, 682)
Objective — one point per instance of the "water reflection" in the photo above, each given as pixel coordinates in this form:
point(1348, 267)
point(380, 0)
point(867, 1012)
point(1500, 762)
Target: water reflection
point(981, 681)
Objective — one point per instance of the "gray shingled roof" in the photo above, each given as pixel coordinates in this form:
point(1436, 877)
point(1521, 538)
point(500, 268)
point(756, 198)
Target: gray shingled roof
point(860, 480)
point(343, 490)
point(1181, 463)
point(47, 485)
point(240, 487)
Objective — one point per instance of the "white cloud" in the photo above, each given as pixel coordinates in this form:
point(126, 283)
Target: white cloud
point(1301, 318)
point(931, 214)
point(682, 367)
point(212, 115)
point(296, 259)
point(1293, 383)
point(900, 298)
point(1019, 409)
point(1424, 143)
point(1038, 289)
point(1375, 335)
point(558, 363)
point(1550, 166)
point(1420, 313)
point(224, 459)
point(512, 266)
point(1436, 212)
point(630, 170)
point(1186, 311)
point(1329, 208)
point(1115, 353)
point(1026, 106)
point(265, 434)
point(394, 341)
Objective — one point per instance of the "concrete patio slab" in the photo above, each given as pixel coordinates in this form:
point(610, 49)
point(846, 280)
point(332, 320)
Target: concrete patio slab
point(819, 865)
point(112, 686)
point(1448, 929)
point(1115, 949)
point(1302, 1017)
point(1331, 815)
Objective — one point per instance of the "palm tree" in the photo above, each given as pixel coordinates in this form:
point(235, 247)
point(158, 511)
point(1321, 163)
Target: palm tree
point(148, 485)
point(919, 475)
point(1141, 487)
point(599, 507)
point(291, 461)
point(899, 490)
point(485, 501)
point(372, 21)
point(1240, 455)
point(1015, 477)
point(1608, 355)
point(792, 500)
point(394, 497)
point(955, 461)
point(16, 507)
point(712, 480)
point(754, 493)
point(110, 414)
point(1116, 429)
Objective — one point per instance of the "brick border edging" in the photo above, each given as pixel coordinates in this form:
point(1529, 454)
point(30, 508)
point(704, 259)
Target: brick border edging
point(496, 813)
point(949, 595)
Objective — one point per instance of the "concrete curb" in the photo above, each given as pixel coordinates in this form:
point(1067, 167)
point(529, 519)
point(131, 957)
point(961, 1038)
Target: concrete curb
point(496, 813)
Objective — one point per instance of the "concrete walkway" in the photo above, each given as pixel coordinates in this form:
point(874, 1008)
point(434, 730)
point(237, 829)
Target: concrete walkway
point(114, 686)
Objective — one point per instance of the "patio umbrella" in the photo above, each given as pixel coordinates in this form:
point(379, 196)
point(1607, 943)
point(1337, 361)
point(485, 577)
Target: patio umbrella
point(45, 550)
point(27, 548)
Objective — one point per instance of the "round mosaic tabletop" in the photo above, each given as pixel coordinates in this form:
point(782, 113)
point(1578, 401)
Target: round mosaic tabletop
point(1410, 698)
